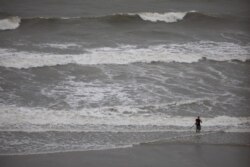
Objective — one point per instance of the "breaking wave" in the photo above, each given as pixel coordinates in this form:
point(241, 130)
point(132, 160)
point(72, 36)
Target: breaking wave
point(126, 54)
point(169, 17)
point(10, 23)
point(154, 17)
point(14, 22)
point(104, 119)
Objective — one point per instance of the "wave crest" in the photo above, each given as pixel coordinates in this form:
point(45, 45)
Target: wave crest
point(168, 17)
point(10, 23)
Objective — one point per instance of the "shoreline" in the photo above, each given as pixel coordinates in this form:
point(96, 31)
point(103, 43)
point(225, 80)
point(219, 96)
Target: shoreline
point(204, 138)
point(125, 147)
point(161, 154)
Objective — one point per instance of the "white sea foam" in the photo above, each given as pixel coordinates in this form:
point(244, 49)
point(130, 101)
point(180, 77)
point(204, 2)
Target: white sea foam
point(60, 45)
point(77, 93)
point(187, 53)
point(168, 17)
point(10, 23)
point(38, 119)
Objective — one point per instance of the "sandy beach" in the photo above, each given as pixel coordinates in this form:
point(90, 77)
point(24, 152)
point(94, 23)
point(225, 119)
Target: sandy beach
point(155, 155)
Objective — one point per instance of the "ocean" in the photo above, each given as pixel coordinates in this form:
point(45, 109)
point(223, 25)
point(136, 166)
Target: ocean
point(98, 74)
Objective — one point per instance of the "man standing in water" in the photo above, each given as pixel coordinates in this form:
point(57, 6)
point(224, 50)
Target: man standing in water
point(198, 124)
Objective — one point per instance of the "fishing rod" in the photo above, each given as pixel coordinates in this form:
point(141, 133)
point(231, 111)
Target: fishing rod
point(192, 126)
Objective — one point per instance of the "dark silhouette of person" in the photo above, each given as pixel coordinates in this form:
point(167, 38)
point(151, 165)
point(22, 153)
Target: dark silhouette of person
point(198, 122)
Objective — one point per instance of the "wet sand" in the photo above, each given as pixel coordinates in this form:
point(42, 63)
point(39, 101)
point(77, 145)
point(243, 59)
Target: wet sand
point(155, 155)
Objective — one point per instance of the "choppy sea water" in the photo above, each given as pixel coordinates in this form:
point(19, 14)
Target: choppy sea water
point(83, 76)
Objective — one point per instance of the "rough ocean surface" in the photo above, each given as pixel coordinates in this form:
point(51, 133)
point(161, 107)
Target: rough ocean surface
point(86, 75)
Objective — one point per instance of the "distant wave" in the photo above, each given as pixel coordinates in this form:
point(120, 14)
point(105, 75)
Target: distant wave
point(125, 54)
point(10, 23)
point(154, 17)
point(168, 17)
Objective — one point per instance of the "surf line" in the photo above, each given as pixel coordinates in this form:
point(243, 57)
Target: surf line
point(178, 137)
